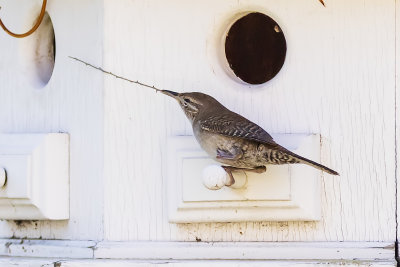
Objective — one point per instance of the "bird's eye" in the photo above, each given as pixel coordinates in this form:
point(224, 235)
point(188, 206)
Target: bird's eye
point(186, 101)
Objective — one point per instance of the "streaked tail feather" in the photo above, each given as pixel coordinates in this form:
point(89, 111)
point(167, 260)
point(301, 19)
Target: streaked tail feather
point(319, 166)
point(313, 164)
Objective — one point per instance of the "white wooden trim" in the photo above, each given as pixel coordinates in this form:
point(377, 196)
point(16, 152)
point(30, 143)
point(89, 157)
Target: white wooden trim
point(151, 250)
point(47, 248)
point(30, 262)
point(244, 251)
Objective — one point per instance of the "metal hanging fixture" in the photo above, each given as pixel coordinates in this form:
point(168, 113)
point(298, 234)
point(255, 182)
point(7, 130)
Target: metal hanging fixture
point(34, 28)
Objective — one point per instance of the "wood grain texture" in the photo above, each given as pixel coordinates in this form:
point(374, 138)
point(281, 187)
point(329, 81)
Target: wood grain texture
point(338, 80)
point(71, 102)
point(355, 252)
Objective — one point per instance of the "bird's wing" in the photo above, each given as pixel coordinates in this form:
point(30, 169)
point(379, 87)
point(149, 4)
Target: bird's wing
point(235, 154)
point(234, 125)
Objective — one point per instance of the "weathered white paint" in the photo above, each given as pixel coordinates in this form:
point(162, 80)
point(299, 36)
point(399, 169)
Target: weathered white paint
point(282, 193)
point(47, 248)
point(244, 250)
point(173, 263)
point(72, 102)
point(360, 251)
point(37, 168)
point(338, 80)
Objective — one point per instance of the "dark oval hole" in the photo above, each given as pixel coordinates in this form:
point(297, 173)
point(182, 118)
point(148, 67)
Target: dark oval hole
point(255, 48)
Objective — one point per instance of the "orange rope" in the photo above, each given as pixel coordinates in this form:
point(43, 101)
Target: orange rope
point(39, 20)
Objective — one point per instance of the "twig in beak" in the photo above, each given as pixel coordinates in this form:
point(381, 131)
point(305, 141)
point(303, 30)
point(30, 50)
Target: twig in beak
point(116, 76)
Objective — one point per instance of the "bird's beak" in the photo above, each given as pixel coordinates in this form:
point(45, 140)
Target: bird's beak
point(170, 93)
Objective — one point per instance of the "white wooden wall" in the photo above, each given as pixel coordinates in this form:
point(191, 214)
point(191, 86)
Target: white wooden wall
point(339, 80)
point(71, 102)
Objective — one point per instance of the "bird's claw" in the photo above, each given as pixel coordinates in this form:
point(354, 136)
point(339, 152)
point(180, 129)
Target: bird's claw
point(228, 170)
point(260, 169)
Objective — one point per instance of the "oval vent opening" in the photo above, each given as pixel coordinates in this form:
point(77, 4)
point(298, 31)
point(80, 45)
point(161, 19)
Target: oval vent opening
point(38, 54)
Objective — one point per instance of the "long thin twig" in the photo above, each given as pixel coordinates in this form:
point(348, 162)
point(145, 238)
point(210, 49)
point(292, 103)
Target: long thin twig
point(322, 2)
point(115, 75)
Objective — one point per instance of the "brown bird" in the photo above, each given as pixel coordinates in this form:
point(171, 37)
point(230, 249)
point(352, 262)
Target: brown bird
point(232, 139)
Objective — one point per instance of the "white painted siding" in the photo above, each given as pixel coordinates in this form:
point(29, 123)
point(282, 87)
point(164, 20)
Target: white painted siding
point(71, 102)
point(338, 80)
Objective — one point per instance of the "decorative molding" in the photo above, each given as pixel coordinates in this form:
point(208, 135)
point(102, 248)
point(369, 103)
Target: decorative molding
point(47, 248)
point(37, 167)
point(282, 193)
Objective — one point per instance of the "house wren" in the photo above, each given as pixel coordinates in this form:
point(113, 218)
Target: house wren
point(232, 139)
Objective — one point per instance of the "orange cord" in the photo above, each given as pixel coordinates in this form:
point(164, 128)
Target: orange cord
point(39, 20)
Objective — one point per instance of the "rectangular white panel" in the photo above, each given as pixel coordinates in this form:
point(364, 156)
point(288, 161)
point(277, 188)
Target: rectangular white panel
point(282, 193)
point(18, 169)
point(274, 186)
point(37, 168)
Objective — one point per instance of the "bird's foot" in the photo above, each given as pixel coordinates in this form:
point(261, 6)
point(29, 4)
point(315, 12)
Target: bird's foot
point(260, 169)
point(230, 169)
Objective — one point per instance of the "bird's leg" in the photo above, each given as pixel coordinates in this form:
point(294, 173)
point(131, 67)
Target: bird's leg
point(229, 169)
point(259, 169)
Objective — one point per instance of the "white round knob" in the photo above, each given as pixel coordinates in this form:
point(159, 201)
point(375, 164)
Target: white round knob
point(215, 177)
point(3, 177)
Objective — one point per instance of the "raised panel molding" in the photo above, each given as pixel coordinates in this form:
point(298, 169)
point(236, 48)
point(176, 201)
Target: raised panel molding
point(37, 167)
point(282, 193)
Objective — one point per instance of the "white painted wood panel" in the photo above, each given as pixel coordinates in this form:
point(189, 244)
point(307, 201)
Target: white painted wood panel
point(204, 251)
point(338, 80)
point(357, 251)
point(292, 193)
point(125, 263)
point(71, 102)
point(37, 170)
